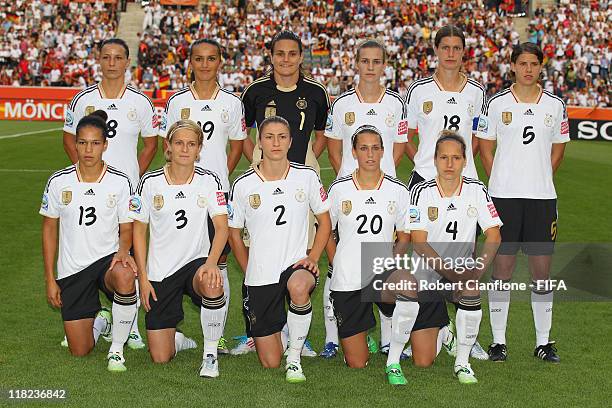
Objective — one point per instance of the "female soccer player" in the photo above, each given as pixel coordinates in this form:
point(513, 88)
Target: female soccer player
point(444, 213)
point(174, 203)
point(369, 103)
point(273, 200)
point(89, 198)
point(220, 114)
point(529, 127)
point(451, 100)
point(130, 114)
point(369, 206)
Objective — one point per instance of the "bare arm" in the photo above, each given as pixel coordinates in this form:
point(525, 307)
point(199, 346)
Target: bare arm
point(140, 255)
point(241, 253)
point(411, 147)
point(147, 153)
point(489, 250)
point(321, 237)
point(556, 156)
point(248, 146)
point(486, 148)
point(49, 246)
point(431, 257)
point(235, 152)
point(319, 144)
point(334, 152)
point(70, 146)
point(475, 143)
point(219, 240)
point(398, 152)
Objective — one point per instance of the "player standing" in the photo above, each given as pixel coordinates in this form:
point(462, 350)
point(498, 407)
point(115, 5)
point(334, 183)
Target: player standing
point(88, 201)
point(528, 127)
point(368, 206)
point(444, 215)
point(273, 200)
point(450, 100)
point(220, 114)
point(174, 203)
point(369, 103)
point(130, 114)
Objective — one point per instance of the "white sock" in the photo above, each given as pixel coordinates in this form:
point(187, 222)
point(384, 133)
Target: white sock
point(442, 334)
point(385, 328)
point(99, 326)
point(285, 336)
point(212, 317)
point(404, 316)
point(298, 321)
point(226, 287)
point(499, 305)
point(542, 307)
point(468, 324)
point(181, 342)
point(134, 328)
point(331, 328)
point(124, 310)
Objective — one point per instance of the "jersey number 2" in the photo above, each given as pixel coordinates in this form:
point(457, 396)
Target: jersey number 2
point(281, 212)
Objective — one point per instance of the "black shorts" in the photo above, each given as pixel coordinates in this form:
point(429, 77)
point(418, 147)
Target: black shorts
point(415, 178)
point(211, 231)
point(79, 292)
point(265, 305)
point(355, 315)
point(432, 310)
point(529, 225)
point(167, 312)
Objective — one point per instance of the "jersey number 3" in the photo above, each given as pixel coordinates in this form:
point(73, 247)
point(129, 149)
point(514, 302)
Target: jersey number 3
point(180, 219)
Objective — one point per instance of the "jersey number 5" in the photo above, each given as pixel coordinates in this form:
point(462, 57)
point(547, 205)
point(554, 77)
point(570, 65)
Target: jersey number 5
point(528, 135)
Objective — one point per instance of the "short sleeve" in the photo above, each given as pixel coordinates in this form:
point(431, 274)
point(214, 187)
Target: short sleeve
point(412, 110)
point(317, 196)
point(235, 207)
point(139, 203)
point(561, 131)
point(73, 115)
point(149, 124)
point(401, 134)
point(333, 210)
point(167, 119)
point(322, 111)
point(479, 110)
point(486, 128)
point(487, 213)
point(417, 211)
point(125, 194)
point(238, 129)
point(250, 110)
point(402, 220)
point(217, 204)
point(49, 207)
point(332, 130)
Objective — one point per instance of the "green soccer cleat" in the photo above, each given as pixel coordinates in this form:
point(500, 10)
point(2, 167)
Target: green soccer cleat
point(395, 376)
point(106, 314)
point(135, 342)
point(465, 374)
point(372, 345)
point(294, 373)
point(222, 348)
point(116, 363)
point(450, 342)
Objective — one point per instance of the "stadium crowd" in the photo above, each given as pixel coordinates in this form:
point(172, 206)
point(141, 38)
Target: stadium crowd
point(49, 43)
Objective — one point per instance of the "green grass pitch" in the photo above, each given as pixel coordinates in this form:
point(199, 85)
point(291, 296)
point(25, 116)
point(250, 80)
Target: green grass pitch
point(30, 355)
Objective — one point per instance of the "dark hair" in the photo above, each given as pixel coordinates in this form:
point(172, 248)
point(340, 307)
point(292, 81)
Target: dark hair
point(117, 41)
point(96, 120)
point(371, 44)
point(273, 119)
point(286, 35)
point(209, 41)
point(451, 135)
point(526, 48)
point(449, 31)
point(366, 129)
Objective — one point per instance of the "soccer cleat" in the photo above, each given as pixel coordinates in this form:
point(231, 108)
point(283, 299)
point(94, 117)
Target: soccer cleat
point(450, 342)
point(135, 342)
point(407, 352)
point(547, 352)
point(116, 363)
point(222, 347)
point(498, 352)
point(478, 352)
point(209, 367)
point(294, 373)
point(106, 314)
point(329, 351)
point(372, 345)
point(395, 376)
point(64, 343)
point(385, 351)
point(307, 350)
point(245, 345)
point(465, 374)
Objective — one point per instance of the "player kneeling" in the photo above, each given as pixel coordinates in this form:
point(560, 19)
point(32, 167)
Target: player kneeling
point(272, 200)
point(175, 202)
point(444, 214)
point(90, 199)
point(368, 206)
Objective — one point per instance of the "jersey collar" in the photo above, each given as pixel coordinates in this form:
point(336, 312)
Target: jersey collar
point(283, 89)
point(516, 98)
point(197, 97)
point(358, 186)
point(100, 177)
point(380, 98)
point(103, 94)
point(457, 192)
point(171, 182)
point(263, 178)
point(465, 81)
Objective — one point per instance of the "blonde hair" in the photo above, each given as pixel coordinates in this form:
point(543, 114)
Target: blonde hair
point(183, 124)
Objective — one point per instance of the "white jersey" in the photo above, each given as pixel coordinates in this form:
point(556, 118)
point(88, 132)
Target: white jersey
point(177, 217)
point(450, 222)
point(221, 119)
point(349, 112)
point(89, 215)
point(430, 109)
point(363, 216)
point(129, 115)
point(276, 216)
point(525, 133)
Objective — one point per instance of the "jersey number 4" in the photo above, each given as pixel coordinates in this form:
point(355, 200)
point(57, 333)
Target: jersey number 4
point(451, 228)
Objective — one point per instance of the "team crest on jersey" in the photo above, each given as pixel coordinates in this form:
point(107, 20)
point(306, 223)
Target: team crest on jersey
point(472, 212)
point(224, 116)
point(158, 202)
point(90, 109)
point(548, 120)
point(349, 118)
point(390, 120)
point(506, 118)
point(201, 201)
point(66, 197)
point(432, 213)
point(131, 115)
point(254, 201)
point(471, 110)
point(300, 196)
point(427, 107)
point(185, 112)
point(270, 109)
point(391, 208)
point(111, 201)
point(301, 103)
point(347, 206)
